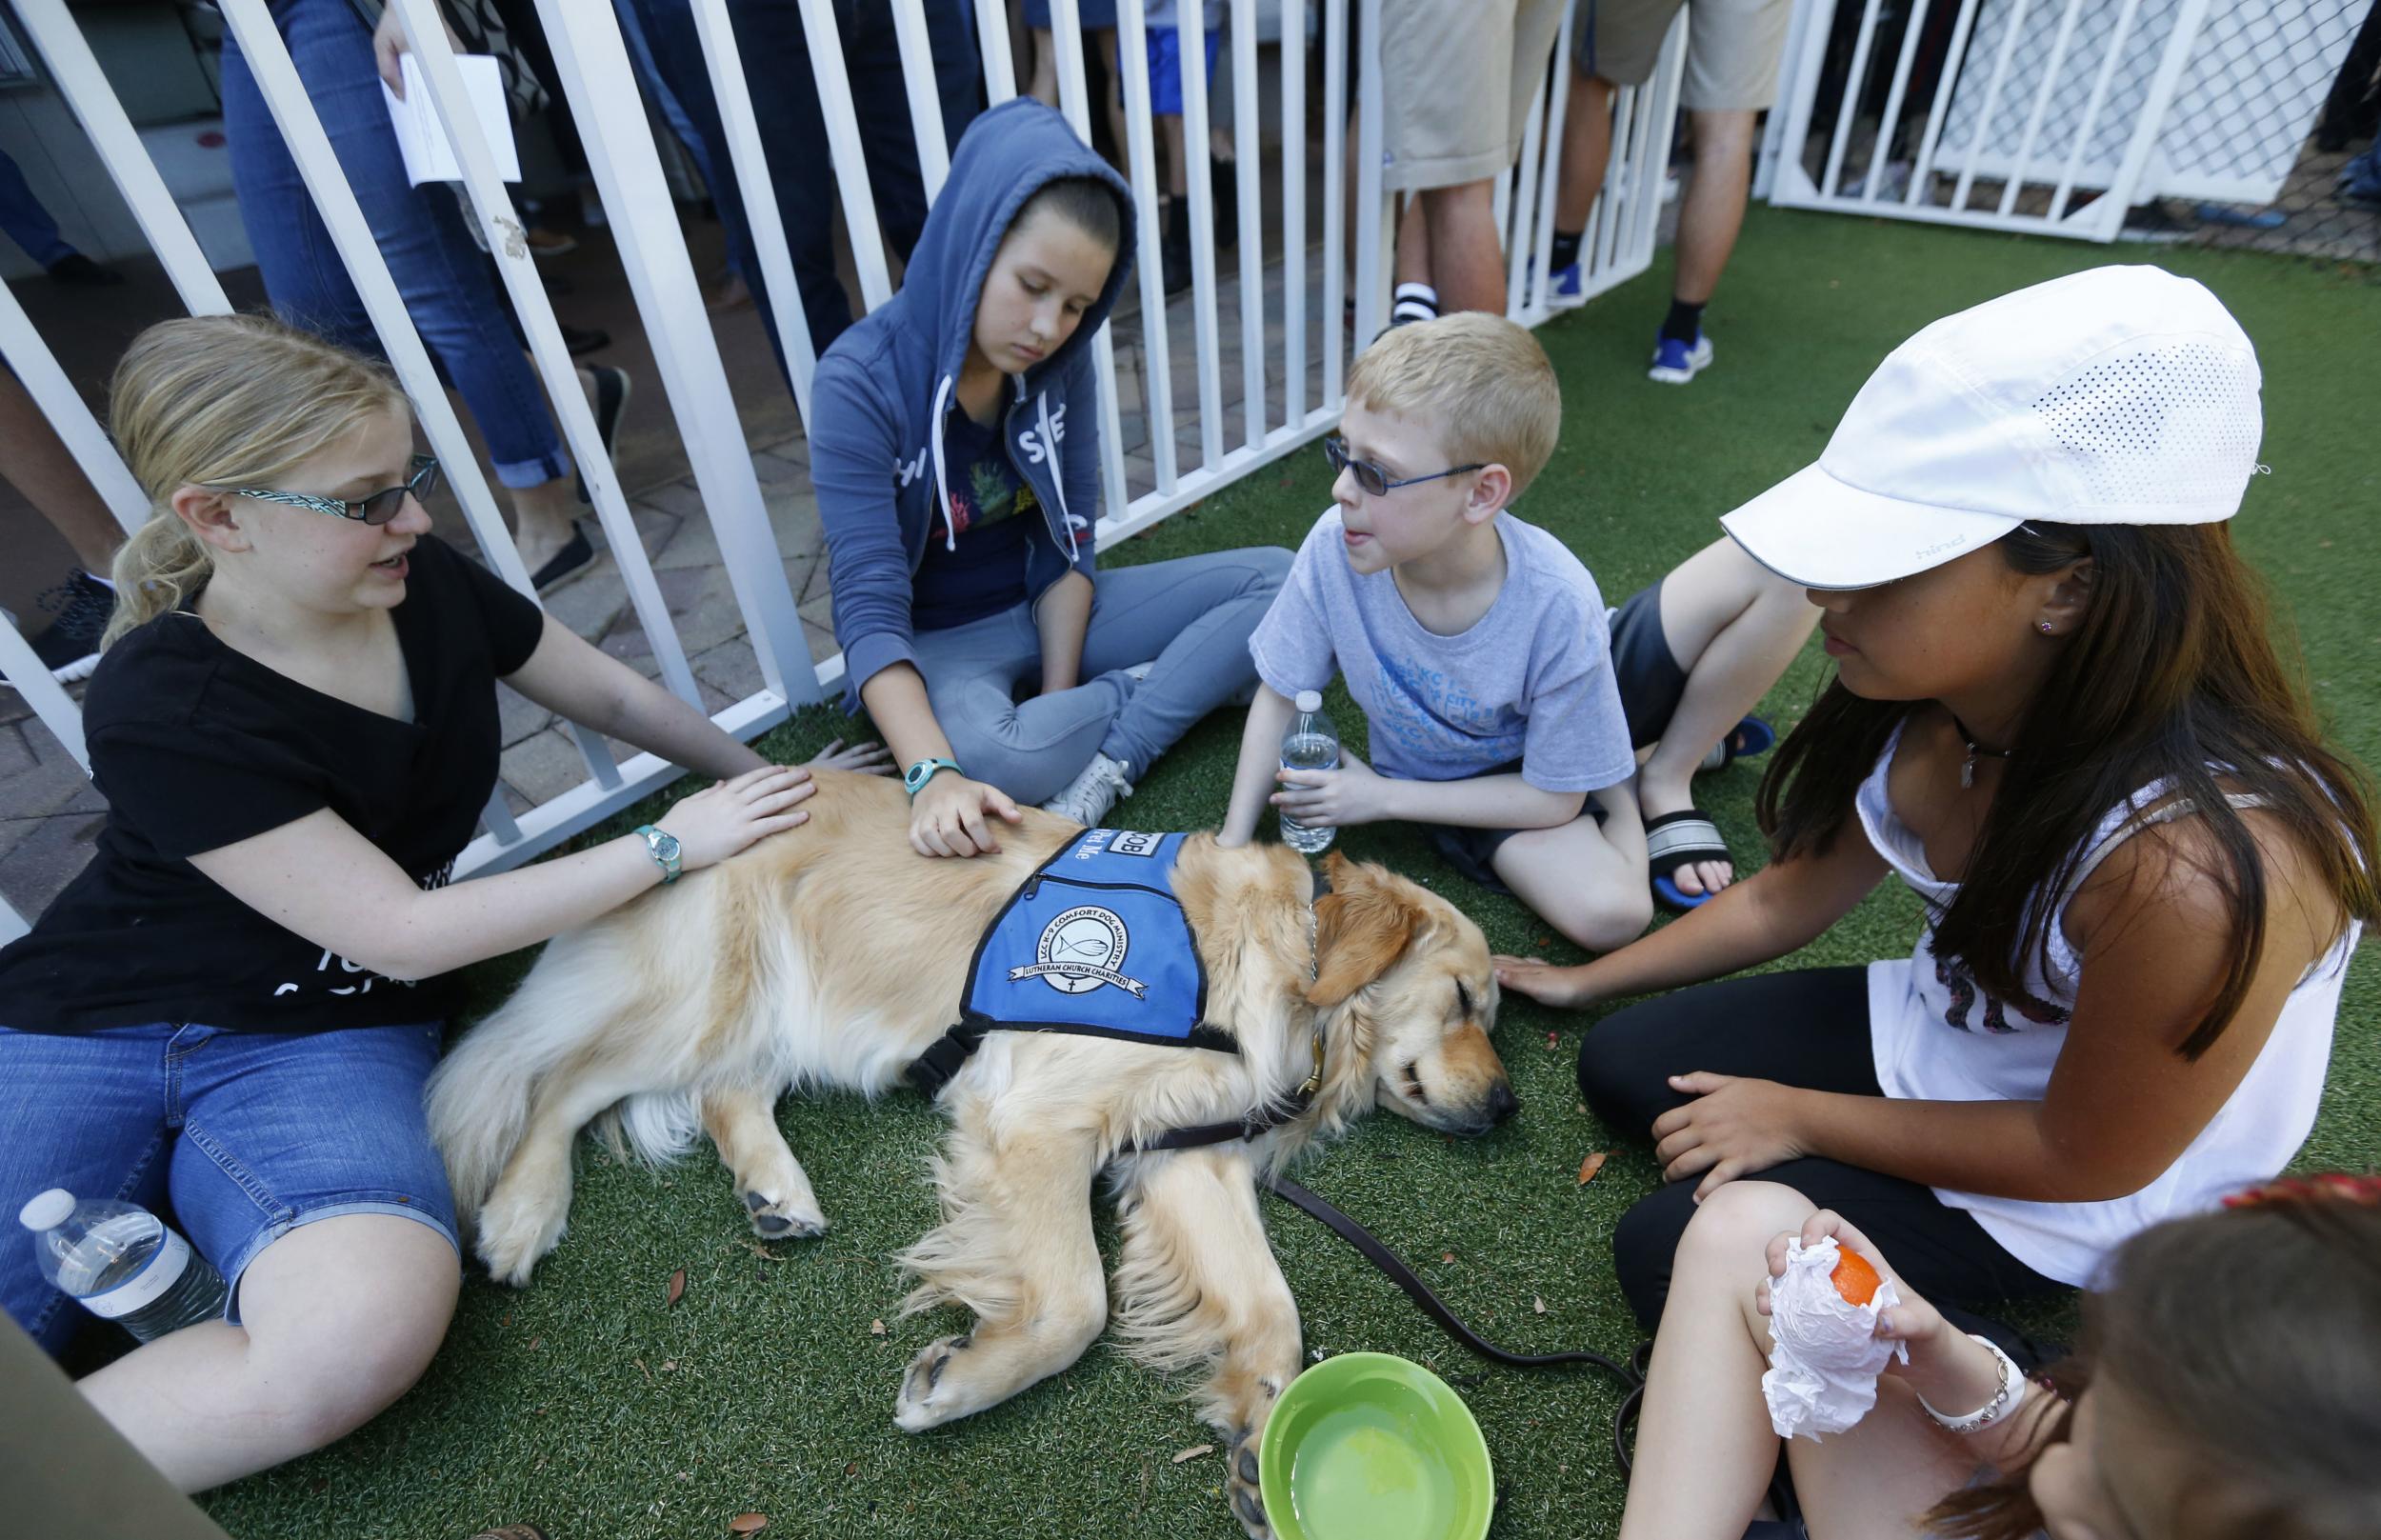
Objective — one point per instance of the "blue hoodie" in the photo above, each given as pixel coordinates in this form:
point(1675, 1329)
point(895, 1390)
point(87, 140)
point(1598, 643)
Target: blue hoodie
point(886, 387)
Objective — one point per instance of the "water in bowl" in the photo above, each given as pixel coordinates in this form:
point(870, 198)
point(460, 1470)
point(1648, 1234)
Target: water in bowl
point(1367, 1472)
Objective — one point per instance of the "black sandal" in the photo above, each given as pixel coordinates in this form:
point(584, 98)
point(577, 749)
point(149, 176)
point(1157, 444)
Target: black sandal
point(1681, 839)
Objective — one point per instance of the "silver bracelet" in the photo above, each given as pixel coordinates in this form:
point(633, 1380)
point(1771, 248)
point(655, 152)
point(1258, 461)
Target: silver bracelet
point(2004, 1400)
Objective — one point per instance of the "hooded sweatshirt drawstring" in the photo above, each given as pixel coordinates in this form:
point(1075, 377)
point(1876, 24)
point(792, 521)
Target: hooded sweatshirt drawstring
point(942, 488)
point(1058, 478)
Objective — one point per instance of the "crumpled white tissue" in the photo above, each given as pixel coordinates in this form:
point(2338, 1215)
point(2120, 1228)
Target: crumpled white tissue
point(1822, 1376)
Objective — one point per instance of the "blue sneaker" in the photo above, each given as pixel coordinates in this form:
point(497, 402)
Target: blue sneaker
point(1566, 289)
point(1675, 363)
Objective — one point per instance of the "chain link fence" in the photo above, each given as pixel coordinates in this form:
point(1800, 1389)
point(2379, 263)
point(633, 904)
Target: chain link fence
point(2325, 201)
point(2023, 114)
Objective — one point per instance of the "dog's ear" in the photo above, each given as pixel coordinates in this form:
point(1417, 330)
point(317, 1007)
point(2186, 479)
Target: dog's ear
point(1361, 927)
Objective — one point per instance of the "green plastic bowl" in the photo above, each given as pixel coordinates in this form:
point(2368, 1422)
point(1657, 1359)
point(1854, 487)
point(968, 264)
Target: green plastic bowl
point(1371, 1447)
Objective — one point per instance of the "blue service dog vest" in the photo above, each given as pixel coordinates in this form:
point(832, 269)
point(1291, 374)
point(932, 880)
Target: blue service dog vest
point(1093, 942)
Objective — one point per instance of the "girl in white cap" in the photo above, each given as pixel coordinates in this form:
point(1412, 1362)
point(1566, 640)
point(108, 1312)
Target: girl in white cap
point(2059, 719)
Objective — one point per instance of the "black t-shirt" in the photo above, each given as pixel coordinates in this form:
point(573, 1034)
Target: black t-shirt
point(996, 513)
point(196, 745)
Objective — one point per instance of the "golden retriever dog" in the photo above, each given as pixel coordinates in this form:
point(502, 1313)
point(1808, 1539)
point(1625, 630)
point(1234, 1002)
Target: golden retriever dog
point(833, 956)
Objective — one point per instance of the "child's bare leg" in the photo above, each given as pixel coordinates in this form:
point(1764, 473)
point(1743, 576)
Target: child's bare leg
point(1104, 41)
point(1044, 86)
point(1705, 1450)
point(1177, 172)
point(339, 1318)
point(1586, 881)
point(1873, 1481)
point(1733, 626)
point(1413, 241)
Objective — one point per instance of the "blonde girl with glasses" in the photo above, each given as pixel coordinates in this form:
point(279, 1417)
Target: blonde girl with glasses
point(228, 1016)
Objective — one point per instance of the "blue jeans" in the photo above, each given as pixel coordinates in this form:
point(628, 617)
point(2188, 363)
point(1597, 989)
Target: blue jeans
point(792, 129)
point(449, 285)
point(27, 223)
point(1192, 615)
point(233, 1138)
point(657, 86)
point(2360, 179)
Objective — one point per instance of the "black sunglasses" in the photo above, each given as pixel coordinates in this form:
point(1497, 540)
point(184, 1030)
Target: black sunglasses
point(420, 476)
point(1372, 477)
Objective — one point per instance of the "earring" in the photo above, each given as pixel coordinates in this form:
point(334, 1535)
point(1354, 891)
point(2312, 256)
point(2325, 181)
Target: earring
point(2044, 627)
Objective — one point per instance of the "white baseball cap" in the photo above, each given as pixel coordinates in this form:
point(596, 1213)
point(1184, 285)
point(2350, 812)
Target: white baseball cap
point(2121, 395)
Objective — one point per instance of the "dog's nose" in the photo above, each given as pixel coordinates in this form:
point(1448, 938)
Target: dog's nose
point(1502, 1104)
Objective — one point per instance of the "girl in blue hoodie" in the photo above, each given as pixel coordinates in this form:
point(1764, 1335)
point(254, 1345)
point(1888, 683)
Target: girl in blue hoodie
point(954, 448)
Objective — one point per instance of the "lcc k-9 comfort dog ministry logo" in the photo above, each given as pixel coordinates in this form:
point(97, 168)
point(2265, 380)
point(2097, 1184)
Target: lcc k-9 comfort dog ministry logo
point(1081, 950)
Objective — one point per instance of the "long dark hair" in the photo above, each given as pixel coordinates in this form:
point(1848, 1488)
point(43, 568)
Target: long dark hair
point(2171, 671)
point(2253, 1335)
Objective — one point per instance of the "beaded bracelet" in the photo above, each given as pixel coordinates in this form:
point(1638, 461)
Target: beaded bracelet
point(2004, 1400)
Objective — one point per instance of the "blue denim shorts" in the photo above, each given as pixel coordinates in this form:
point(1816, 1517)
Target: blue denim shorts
point(233, 1138)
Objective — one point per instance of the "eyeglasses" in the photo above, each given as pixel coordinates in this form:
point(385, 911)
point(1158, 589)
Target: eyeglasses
point(420, 476)
point(1372, 477)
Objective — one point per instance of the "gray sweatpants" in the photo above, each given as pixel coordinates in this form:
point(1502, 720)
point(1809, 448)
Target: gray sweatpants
point(1191, 615)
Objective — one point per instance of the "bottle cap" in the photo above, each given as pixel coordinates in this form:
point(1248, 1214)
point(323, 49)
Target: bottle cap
point(1309, 701)
point(47, 1210)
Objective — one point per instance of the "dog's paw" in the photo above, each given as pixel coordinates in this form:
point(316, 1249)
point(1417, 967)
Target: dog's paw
point(1248, 1502)
point(788, 1219)
point(919, 1406)
point(514, 1236)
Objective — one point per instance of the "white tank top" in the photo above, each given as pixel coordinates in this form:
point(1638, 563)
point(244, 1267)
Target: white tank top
point(1937, 1037)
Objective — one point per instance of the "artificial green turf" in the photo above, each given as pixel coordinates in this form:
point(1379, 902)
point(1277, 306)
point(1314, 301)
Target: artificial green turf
point(590, 1406)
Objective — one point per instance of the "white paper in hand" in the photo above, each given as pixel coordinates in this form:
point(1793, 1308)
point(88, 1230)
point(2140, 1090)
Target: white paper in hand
point(428, 156)
point(1822, 1370)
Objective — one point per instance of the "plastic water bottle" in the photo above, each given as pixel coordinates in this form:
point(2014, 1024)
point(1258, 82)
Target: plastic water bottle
point(120, 1261)
point(1311, 743)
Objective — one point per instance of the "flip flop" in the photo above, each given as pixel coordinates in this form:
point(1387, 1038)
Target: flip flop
point(1751, 736)
point(1681, 839)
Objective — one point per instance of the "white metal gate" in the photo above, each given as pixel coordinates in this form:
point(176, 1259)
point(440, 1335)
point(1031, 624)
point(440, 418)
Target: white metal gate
point(2047, 116)
point(593, 63)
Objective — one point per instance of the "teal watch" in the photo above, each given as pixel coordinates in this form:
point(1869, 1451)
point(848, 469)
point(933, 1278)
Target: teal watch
point(915, 778)
point(663, 847)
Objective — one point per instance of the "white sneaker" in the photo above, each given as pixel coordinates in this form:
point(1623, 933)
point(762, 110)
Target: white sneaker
point(1087, 799)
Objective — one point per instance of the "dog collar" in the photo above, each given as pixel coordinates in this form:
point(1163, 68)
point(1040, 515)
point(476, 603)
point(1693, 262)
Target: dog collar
point(1268, 1115)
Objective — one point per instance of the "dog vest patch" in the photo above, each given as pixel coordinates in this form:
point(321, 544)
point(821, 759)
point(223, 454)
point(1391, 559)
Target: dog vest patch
point(1093, 942)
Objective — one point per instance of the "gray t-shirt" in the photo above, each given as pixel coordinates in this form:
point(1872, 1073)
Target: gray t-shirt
point(1531, 680)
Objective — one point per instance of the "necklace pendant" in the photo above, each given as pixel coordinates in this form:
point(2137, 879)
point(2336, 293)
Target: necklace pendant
point(1968, 771)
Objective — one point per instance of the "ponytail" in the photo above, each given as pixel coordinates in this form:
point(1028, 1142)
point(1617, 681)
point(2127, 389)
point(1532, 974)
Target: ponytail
point(155, 571)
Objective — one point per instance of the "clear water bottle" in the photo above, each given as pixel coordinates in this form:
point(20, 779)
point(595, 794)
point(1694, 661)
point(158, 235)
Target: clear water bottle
point(1311, 743)
point(120, 1261)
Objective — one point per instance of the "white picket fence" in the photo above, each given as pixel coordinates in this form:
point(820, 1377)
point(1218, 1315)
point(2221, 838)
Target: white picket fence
point(2048, 118)
point(596, 76)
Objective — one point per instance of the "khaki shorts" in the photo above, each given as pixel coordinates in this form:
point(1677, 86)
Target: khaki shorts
point(1733, 48)
point(1461, 75)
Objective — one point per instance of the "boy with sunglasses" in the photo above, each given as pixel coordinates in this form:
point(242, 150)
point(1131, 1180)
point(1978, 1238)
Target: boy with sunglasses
point(1545, 742)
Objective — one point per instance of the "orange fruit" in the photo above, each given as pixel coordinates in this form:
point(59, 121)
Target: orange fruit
point(1854, 1278)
